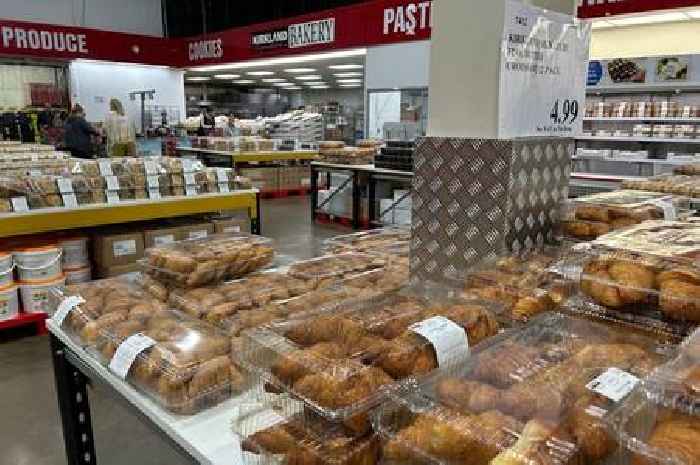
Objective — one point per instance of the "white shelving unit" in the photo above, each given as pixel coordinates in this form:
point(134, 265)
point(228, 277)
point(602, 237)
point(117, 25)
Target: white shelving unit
point(650, 140)
point(643, 120)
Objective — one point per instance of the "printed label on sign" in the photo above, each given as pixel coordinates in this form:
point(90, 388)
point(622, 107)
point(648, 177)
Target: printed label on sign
point(190, 191)
point(65, 185)
point(154, 194)
point(34, 172)
point(151, 167)
point(164, 240)
point(544, 56)
point(112, 183)
point(223, 188)
point(448, 339)
point(153, 182)
point(667, 206)
point(187, 165)
point(123, 248)
point(189, 179)
point(65, 307)
point(222, 175)
point(614, 384)
point(19, 204)
point(112, 197)
point(127, 352)
point(69, 200)
point(105, 167)
point(197, 235)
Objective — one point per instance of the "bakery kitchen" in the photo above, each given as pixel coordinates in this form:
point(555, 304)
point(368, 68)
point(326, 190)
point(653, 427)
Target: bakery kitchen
point(408, 19)
point(19, 38)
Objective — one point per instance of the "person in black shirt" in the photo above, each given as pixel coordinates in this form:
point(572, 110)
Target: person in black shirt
point(78, 134)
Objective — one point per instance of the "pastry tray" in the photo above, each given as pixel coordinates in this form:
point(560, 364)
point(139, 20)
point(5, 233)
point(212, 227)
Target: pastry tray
point(373, 241)
point(217, 258)
point(535, 396)
point(341, 362)
point(335, 267)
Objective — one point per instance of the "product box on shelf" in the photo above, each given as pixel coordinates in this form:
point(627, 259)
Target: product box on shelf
point(196, 231)
point(231, 225)
point(157, 236)
point(536, 396)
point(338, 364)
point(117, 248)
point(117, 270)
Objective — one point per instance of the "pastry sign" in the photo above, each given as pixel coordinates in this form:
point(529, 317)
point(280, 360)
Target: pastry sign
point(408, 19)
point(20, 38)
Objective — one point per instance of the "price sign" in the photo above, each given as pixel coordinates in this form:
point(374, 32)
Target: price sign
point(19, 204)
point(154, 194)
point(189, 179)
point(223, 188)
point(544, 58)
point(190, 191)
point(105, 167)
point(65, 185)
point(222, 175)
point(151, 167)
point(112, 197)
point(69, 200)
point(112, 183)
point(153, 182)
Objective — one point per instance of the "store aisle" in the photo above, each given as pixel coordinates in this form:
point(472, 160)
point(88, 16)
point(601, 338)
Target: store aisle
point(31, 434)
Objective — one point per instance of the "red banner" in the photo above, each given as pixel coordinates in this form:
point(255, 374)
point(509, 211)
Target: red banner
point(602, 8)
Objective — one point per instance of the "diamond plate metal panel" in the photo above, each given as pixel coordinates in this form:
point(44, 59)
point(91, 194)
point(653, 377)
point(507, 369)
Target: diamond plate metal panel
point(484, 197)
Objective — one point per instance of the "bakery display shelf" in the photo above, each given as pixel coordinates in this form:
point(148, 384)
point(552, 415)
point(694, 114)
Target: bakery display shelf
point(248, 157)
point(659, 88)
point(651, 140)
point(190, 435)
point(650, 161)
point(57, 219)
point(593, 183)
point(642, 120)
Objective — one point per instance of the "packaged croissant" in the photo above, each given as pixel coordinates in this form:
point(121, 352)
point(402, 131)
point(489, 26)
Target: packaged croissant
point(538, 396)
point(336, 267)
point(373, 241)
point(341, 361)
point(214, 259)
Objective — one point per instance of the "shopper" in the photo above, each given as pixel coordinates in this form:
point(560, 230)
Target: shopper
point(121, 135)
point(78, 134)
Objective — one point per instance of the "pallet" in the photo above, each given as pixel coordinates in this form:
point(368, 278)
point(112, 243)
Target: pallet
point(27, 319)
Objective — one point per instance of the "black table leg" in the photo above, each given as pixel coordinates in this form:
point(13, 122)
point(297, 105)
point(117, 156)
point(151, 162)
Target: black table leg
point(356, 199)
point(372, 202)
point(71, 389)
point(314, 193)
point(256, 224)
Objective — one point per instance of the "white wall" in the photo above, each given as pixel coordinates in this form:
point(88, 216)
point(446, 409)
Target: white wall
point(681, 38)
point(134, 16)
point(93, 84)
point(398, 65)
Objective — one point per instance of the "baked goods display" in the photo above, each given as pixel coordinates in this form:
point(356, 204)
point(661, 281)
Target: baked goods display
point(688, 186)
point(538, 396)
point(335, 267)
point(372, 241)
point(341, 362)
point(195, 263)
point(688, 170)
point(589, 217)
point(349, 155)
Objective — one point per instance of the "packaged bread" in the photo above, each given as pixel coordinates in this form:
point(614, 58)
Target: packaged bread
point(217, 258)
point(541, 395)
point(335, 267)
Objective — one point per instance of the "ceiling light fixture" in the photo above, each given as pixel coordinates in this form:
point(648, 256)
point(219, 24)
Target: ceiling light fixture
point(271, 80)
point(693, 14)
point(349, 81)
point(319, 87)
point(350, 85)
point(227, 76)
point(342, 67)
point(244, 81)
point(284, 60)
point(197, 79)
point(648, 19)
point(299, 70)
point(284, 84)
point(260, 73)
point(292, 88)
point(314, 77)
point(348, 75)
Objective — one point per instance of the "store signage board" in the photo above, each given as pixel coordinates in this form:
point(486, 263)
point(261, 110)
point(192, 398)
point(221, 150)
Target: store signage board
point(602, 8)
point(544, 57)
point(296, 35)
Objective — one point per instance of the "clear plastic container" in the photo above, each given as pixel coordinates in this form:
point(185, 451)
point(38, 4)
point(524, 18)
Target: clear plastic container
point(187, 369)
point(373, 241)
point(335, 267)
point(198, 262)
point(531, 397)
point(341, 362)
point(671, 184)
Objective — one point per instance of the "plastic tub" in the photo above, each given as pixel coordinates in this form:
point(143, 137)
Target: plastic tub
point(75, 253)
point(78, 276)
point(9, 303)
point(6, 269)
point(35, 296)
point(38, 264)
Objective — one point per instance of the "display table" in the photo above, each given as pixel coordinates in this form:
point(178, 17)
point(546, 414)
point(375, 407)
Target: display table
point(360, 177)
point(57, 219)
point(206, 438)
point(230, 159)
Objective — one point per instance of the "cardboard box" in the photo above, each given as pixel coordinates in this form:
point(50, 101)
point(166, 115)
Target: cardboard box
point(196, 231)
point(117, 248)
point(231, 225)
point(154, 237)
point(116, 270)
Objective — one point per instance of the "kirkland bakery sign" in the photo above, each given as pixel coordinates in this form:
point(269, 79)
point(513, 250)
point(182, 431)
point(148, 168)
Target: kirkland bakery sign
point(20, 38)
point(297, 35)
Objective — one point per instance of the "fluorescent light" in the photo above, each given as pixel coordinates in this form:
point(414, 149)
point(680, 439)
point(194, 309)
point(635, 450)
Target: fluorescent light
point(292, 88)
point(349, 75)
point(270, 80)
point(284, 60)
point(315, 83)
point(284, 84)
point(649, 19)
point(341, 67)
point(260, 73)
point(227, 76)
point(299, 70)
point(314, 77)
point(244, 81)
point(350, 85)
point(319, 87)
point(349, 81)
point(197, 79)
point(694, 14)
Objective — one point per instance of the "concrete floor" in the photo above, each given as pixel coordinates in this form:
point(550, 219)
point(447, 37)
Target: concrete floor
point(30, 428)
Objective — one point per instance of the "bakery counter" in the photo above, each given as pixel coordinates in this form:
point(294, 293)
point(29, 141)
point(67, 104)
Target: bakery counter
point(205, 438)
point(58, 219)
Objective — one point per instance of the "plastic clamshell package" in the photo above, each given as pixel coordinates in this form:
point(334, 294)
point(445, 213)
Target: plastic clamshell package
point(523, 284)
point(270, 438)
point(341, 362)
point(373, 241)
point(536, 396)
point(676, 384)
point(106, 303)
point(189, 369)
point(334, 267)
point(648, 273)
point(217, 258)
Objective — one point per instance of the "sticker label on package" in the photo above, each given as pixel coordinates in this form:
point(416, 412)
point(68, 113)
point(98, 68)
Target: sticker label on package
point(198, 235)
point(187, 165)
point(65, 185)
point(222, 175)
point(190, 191)
point(614, 384)
point(189, 179)
point(112, 197)
point(19, 204)
point(69, 200)
point(163, 240)
point(105, 167)
point(124, 248)
point(448, 338)
point(151, 167)
point(112, 183)
point(154, 194)
point(127, 352)
point(65, 307)
point(153, 182)
point(223, 188)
